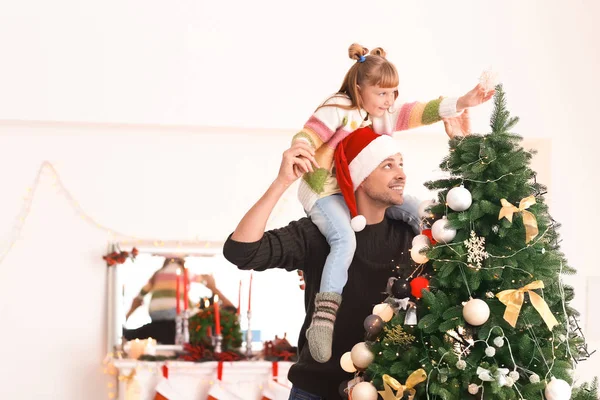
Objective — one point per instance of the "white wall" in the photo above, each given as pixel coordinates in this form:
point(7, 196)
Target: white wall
point(250, 65)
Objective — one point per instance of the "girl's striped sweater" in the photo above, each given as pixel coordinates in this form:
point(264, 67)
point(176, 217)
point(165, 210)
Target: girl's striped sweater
point(331, 123)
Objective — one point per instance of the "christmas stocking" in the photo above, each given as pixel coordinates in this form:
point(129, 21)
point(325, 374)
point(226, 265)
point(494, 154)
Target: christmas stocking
point(274, 389)
point(164, 390)
point(217, 391)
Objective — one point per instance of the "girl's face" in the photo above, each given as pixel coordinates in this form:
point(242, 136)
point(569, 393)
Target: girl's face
point(377, 100)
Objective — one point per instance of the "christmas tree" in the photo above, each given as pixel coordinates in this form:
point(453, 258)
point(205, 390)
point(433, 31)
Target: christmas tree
point(495, 321)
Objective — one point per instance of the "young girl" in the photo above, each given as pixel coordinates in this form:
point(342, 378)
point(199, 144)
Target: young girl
point(366, 97)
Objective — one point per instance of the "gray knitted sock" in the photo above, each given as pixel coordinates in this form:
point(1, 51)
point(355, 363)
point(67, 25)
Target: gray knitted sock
point(320, 331)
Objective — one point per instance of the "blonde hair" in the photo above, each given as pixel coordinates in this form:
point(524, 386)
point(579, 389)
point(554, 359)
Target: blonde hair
point(373, 70)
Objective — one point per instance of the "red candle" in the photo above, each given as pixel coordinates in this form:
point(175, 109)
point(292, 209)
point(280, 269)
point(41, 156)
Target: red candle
point(250, 294)
point(185, 288)
point(239, 299)
point(178, 308)
point(217, 315)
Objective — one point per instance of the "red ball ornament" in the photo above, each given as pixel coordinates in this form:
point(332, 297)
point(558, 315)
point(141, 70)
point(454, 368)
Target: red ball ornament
point(427, 232)
point(418, 284)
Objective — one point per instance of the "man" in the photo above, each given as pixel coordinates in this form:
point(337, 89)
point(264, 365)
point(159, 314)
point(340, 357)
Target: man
point(382, 247)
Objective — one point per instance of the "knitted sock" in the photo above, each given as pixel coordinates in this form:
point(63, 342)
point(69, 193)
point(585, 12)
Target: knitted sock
point(320, 331)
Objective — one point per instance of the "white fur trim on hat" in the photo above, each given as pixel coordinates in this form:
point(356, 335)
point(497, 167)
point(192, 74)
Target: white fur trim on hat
point(370, 157)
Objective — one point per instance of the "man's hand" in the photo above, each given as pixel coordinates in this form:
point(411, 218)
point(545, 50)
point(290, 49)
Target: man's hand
point(297, 160)
point(474, 97)
point(458, 126)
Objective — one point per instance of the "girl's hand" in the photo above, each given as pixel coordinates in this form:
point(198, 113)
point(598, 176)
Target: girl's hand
point(473, 98)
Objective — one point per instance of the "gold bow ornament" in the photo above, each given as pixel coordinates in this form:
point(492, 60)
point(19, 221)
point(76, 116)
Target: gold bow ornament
point(513, 300)
point(390, 384)
point(507, 210)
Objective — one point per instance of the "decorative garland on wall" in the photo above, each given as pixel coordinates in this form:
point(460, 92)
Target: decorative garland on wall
point(46, 168)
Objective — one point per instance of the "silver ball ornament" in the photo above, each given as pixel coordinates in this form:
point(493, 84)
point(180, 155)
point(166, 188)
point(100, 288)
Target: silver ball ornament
point(557, 389)
point(442, 232)
point(417, 256)
point(476, 312)
point(364, 391)
point(361, 356)
point(346, 363)
point(459, 199)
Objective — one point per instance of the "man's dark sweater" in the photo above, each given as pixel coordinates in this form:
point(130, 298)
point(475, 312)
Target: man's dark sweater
point(380, 249)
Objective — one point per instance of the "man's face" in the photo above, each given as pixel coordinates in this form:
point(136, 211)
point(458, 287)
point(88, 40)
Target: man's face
point(385, 185)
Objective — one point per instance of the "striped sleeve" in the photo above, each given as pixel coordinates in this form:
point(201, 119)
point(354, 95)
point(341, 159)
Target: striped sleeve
point(413, 115)
point(325, 121)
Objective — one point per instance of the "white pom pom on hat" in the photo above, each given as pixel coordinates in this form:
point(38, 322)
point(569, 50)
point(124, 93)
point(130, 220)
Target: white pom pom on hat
point(358, 223)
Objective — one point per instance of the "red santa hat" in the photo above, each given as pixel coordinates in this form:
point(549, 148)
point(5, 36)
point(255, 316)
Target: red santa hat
point(355, 158)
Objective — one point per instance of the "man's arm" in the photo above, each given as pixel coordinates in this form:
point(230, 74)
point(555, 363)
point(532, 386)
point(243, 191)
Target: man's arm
point(296, 161)
point(249, 247)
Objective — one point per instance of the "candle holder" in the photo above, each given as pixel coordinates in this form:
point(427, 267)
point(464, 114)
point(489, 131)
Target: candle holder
point(217, 342)
point(179, 338)
point(186, 326)
point(249, 353)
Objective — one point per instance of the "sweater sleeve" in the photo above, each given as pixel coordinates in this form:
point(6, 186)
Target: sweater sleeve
point(412, 115)
point(285, 248)
point(325, 121)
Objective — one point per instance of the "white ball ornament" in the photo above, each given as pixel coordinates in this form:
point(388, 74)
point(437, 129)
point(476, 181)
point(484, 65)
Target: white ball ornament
point(499, 341)
point(417, 256)
point(557, 389)
point(424, 211)
point(384, 310)
point(421, 240)
point(476, 312)
point(362, 357)
point(514, 375)
point(509, 381)
point(490, 351)
point(442, 232)
point(473, 388)
point(459, 199)
point(534, 378)
point(346, 363)
point(461, 365)
point(364, 391)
